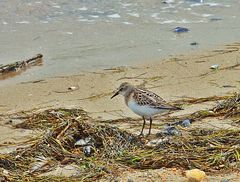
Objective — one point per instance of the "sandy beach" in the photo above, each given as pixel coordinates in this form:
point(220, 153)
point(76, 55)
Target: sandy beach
point(174, 78)
point(58, 121)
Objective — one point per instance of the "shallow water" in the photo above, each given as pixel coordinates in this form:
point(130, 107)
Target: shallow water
point(77, 35)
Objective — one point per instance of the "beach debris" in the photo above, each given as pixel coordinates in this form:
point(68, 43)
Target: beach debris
point(214, 66)
point(186, 123)
point(83, 142)
point(216, 19)
point(157, 142)
point(20, 65)
point(72, 88)
point(216, 150)
point(39, 164)
point(111, 148)
point(168, 131)
point(87, 146)
point(195, 175)
point(194, 43)
point(88, 150)
point(229, 107)
point(69, 89)
point(183, 123)
point(171, 130)
point(229, 86)
point(180, 30)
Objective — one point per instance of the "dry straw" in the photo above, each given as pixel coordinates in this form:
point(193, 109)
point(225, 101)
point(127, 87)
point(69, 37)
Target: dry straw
point(112, 150)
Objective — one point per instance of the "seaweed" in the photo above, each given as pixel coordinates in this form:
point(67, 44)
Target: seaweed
point(111, 150)
point(209, 151)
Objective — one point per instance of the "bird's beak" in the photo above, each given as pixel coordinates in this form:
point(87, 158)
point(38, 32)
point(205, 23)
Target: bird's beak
point(115, 94)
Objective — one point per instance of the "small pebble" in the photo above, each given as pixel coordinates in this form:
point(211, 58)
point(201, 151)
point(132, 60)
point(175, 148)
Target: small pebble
point(195, 175)
point(186, 123)
point(215, 19)
point(171, 131)
point(193, 43)
point(83, 142)
point(87, 150)
point(80, 142)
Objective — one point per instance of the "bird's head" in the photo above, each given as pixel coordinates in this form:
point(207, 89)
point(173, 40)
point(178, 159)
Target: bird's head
point(124, 89)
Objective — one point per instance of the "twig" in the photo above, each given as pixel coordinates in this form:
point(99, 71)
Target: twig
point(67, 91)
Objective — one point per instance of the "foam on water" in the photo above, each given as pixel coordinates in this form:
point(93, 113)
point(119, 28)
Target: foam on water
point(134, 14)
point(76, 35)
point(127, 23)
point(84, 8)
point(23, 22)
point(116, 15)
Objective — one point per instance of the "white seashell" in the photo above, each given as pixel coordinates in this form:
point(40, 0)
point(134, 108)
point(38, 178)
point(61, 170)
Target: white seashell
point(80, 142)
point(72, 88)
point(214, 66)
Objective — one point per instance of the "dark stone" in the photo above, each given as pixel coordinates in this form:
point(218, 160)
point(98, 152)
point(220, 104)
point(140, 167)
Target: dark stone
point(181, 30)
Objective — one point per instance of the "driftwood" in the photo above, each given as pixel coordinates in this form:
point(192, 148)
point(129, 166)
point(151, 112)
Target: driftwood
point(20, 65)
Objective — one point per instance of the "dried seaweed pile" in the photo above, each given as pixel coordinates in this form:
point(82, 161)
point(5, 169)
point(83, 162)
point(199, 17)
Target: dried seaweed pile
point(203, 149)
point(209, 150)
point(58, 145)
point(229, 107)
point(72, 137)
point(52, 118)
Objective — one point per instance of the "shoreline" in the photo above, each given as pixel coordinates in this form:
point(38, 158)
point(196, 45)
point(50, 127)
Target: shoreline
point(25, 74)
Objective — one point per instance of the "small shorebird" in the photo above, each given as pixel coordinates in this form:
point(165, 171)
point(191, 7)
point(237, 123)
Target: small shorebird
point(143, 102)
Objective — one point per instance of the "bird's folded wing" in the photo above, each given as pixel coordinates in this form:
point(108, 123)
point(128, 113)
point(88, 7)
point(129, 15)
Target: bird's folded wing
point(152, 100)
point(155, 97)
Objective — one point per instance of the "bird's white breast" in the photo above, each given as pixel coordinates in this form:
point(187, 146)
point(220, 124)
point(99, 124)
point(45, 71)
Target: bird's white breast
point(143, 110)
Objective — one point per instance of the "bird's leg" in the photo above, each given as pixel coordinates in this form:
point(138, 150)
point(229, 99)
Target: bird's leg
point(149, 132)
point(141, 134)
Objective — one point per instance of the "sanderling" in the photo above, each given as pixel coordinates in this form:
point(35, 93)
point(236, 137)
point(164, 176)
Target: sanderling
point(143, 102)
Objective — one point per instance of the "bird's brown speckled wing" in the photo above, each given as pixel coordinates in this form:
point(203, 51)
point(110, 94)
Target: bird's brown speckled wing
point(144, 97)
point(148, 93)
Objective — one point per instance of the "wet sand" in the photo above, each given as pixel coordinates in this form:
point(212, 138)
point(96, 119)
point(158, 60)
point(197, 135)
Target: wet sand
point(174, 78)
